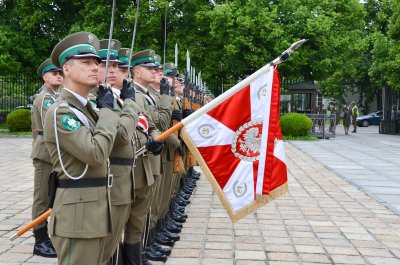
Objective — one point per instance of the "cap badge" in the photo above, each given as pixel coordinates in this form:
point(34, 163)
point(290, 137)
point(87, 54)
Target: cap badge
point(90, 38)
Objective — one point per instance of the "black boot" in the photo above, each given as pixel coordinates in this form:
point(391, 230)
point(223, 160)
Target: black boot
point(145, 261)
point(171, 227)
point(170, 235)
point(132, 254)
point(43, 246)
point(153, 254)
point(177, 217)
point(180, 201)
point(163, 240)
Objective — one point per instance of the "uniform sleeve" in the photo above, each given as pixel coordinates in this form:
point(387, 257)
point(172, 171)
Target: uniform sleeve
point(161, 114)
point(172, 141)
point(127, 122)
point(76, 140)
point(46, 104)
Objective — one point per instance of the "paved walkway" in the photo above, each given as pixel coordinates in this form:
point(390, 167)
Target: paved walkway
point(322, 220)
point(367, 159)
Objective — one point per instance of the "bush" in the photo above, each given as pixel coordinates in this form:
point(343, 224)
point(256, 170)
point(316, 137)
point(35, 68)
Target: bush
point(295, 124)
point(19, 120)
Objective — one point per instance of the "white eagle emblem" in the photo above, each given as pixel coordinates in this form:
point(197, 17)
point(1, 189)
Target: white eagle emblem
point(251, 142)
point(246, 144)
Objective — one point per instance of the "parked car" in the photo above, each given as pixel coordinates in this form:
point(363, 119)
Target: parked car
point(28, 106)
point(373, 118)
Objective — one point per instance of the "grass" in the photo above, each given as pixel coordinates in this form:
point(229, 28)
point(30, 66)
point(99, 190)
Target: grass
point(300, 138)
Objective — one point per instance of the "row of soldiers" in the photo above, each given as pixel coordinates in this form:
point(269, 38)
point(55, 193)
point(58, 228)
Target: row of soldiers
point(114, 189)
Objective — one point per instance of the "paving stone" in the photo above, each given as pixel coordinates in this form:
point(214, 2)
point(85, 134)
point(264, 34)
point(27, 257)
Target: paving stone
point(218, 254)
point(250, 262)
point(345, 259)
point(218, 245)
point(318, 258)
point(282, 256)
point(250, 255)
point(245, 246)
point(208, 261)
point(342, 250)
point(375, 252)
point(309, 249)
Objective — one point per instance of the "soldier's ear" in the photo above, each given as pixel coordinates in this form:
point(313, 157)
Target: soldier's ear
point(66, 68)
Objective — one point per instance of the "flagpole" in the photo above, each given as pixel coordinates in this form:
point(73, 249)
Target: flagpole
point(109, 42)
point(133, 39)
point(221, 98)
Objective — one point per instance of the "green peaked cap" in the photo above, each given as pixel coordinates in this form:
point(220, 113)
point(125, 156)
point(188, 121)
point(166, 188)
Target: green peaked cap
point(47, 66)
point(170, 69)
point(144, 58)
point(114, 48)
point(124, 57)
point(76, 45)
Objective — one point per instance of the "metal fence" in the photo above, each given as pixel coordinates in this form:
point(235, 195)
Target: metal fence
point(324, 125)
point(15, 92)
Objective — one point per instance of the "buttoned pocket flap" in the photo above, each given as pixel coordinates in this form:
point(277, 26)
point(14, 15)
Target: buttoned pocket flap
point(79, 195)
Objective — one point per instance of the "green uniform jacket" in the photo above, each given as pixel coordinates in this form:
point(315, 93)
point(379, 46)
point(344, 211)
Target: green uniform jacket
point(124, 147)
point(144, 170)
point(41, 104)
point(164, 105)
point(80, 212)
point(160, 114)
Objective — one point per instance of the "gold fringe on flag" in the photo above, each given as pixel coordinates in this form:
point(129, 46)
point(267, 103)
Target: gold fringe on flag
point(273, 194)
point(235, 216)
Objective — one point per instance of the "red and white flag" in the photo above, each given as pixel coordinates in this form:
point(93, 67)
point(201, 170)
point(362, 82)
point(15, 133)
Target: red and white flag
point(238, 144)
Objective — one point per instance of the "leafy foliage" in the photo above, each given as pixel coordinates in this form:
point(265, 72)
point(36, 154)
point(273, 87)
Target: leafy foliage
point(19, 120)
point(295, 124)
point(352, 47)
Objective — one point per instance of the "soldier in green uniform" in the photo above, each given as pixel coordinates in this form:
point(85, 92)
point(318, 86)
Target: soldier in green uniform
point(145, 134)
point(175, 208)
point(159, 90)
point(122, 157)
point(79, 142)
point(52, 77)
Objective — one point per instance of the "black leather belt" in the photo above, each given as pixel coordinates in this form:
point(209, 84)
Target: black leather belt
point(40, 133)
point(84, 183)
point(122, 161)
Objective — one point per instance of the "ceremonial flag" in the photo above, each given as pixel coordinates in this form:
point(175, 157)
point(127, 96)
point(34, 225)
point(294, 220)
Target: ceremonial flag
point(239, 146)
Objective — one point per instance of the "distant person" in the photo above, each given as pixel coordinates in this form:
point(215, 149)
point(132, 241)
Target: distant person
point(394, 113)
point(346, 118)
point(332, 108)
point(320, 119)
point(354, 114)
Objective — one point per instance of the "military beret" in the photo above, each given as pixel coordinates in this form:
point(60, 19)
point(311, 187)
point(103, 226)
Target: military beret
point(170, 69)
point(144, 58)
point(76, 45)
point(47, 66)
point(124, 57)
point(114, 47)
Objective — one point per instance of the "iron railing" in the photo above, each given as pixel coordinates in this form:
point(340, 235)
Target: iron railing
point(324, 125)
point(16, 91)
